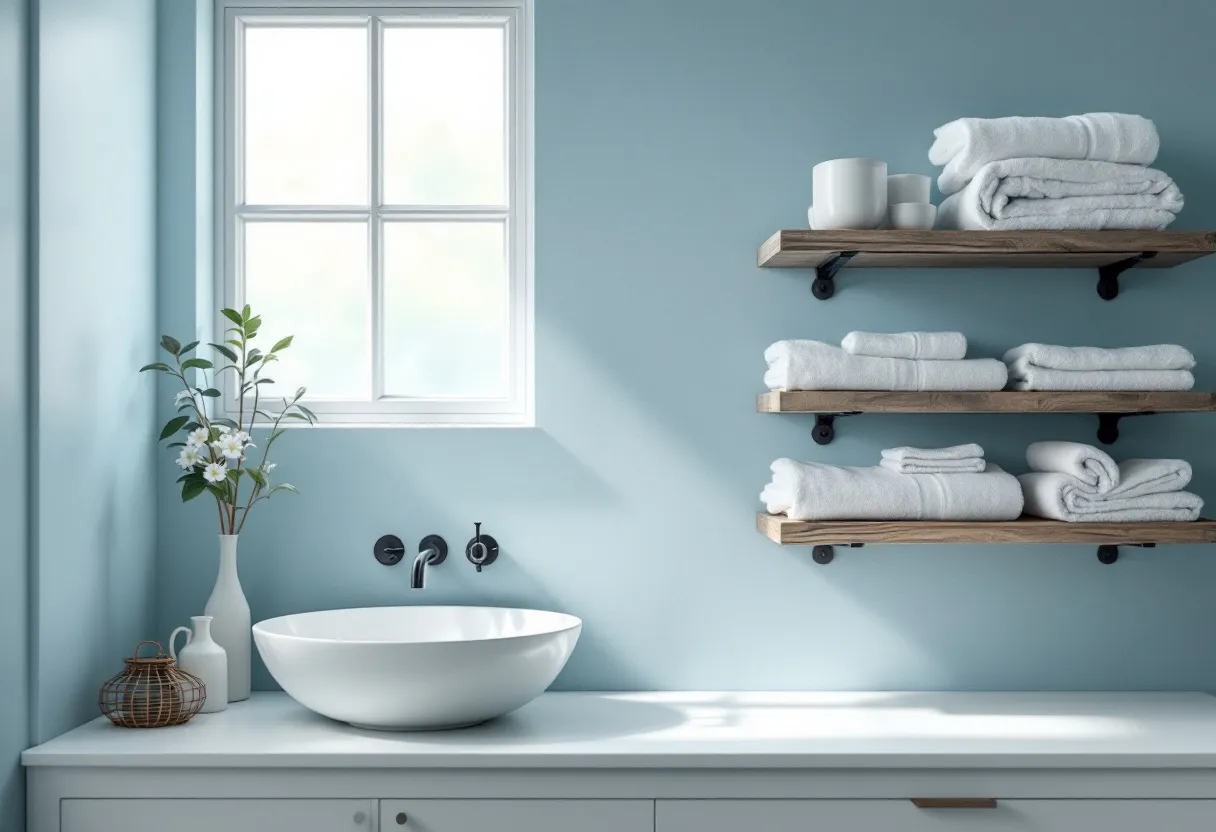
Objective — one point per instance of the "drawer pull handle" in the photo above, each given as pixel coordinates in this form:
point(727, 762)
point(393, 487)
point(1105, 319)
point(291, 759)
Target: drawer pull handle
point(401, 819)
point(954, 802)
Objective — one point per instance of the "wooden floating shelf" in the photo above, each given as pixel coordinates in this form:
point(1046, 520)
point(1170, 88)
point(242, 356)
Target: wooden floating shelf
point(1112, 252)
point(823, 535)
point(1110, 407)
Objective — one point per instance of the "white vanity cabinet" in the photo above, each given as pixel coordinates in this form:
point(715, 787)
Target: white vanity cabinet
point(186, 815)
point(655, 762)
point(904, 816)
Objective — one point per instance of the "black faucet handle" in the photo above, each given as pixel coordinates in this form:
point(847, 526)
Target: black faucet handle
point(482, 550)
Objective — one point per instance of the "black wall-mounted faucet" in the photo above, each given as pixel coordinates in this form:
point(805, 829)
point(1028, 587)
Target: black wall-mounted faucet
point(482, 550)
point(432, 551)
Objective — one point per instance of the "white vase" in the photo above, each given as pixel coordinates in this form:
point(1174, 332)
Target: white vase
point(230, 625)
point(203, 658)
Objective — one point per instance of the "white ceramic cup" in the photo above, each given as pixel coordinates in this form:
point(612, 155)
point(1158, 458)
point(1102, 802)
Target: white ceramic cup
point(849, 193)
point(907, 187)
point(913, 216)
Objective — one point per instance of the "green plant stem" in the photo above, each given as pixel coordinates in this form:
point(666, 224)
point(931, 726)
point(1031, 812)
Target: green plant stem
point(202, 421)
point(254, 498)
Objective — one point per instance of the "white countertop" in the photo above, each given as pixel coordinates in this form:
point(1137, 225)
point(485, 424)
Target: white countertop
point(692, 730)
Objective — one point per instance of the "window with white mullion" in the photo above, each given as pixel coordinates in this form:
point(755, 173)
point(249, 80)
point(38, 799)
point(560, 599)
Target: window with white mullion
point(378, 203)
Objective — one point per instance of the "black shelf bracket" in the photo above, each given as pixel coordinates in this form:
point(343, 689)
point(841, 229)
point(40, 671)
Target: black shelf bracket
point(826, 554)
point(1108, 276)
point(1108, 425)
point(824, 285)
point(1108, 554)
point(825, 428)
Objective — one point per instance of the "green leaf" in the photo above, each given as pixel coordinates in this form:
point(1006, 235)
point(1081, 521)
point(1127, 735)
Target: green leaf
point(264, 381)
point(273, 437)
point(234, 316)
point(283, 486)
point(299, 416)
point(251, 326)
point(256, 475)
point(188, 347)
point(197, 363)
point(210, 393)
point(312, 417)
point(176, 445)
point(192, 488)
point(246, 312)
point(170, 344)
point(164, 368)
point(235, 474)
point(173, 426)
point(222, 493)
point(300, 394)
point(283, 344)
point(227, 353)
point(226, 423)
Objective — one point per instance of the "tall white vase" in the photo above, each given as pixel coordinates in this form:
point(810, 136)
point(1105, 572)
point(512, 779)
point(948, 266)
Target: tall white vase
point(230, 625)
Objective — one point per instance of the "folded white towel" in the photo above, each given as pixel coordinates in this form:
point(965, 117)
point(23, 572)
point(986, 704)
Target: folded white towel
point(967, 144)
point(1034, 378)
point(936, 346)
point(956, 459)
point(1052, 357)
point(1092, 466)
point(1062, 497)
point(813, 491)
point(814, 365)
point(940, 466)
point(1043, 194)
point(1140, 477)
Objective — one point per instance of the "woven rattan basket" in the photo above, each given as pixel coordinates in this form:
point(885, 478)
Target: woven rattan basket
point(151, 692)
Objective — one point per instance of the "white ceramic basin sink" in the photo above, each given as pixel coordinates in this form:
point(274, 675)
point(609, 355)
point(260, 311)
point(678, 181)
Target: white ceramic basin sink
point(416, 668)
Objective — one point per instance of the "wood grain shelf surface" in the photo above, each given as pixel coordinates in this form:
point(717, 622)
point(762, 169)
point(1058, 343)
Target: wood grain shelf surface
point(779, 528)
point(1005, 401)
point(803, 249)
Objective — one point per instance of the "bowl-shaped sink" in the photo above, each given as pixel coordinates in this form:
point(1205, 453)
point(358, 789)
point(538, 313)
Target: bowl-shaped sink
point(416, 668)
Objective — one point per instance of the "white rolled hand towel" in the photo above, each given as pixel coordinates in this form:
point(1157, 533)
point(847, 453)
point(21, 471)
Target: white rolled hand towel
point(814, 491)
point(1063, 497)
point(1049, 194)
point(956, 459)
point(814, 365)
point(1091, 466)
point(935, 346)
point(965, 145)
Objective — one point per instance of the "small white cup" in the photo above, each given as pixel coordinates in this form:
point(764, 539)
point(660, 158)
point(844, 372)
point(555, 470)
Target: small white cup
point(849, 194)
point(907, 187)
point(913, 216)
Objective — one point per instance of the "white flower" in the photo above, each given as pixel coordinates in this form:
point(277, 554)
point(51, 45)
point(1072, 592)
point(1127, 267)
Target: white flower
point(197, 438)
point(189, 457)
point(183, 397)
point(223, 429)
point(243, 437)
point(267, 467)
point(215, 472)
point(229, 445)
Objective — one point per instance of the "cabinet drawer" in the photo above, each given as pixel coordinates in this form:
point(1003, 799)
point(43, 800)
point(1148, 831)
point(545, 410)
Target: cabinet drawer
point(207, 815)
point(517, 815)
point(903, 816)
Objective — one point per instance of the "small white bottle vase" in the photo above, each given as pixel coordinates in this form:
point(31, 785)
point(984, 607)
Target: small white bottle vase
point(231, 626)
point(203, 658)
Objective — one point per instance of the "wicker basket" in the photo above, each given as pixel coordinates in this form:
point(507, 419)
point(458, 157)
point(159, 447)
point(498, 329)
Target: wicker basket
point(151, 692)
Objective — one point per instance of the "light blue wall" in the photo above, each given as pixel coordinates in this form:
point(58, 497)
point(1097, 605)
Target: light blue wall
point(14, 506)
point(95, 301)
point(671, 139)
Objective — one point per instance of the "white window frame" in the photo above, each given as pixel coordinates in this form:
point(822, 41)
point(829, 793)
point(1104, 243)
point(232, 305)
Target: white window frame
point(517, 408)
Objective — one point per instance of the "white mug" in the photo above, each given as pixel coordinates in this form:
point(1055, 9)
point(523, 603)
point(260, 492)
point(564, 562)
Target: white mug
point(850, 193)
point(907, 187)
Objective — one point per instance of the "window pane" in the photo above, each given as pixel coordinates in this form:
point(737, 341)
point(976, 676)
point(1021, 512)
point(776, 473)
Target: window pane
point(445, 309)
point(309, 279)
point(306, 120)
point(444, 122)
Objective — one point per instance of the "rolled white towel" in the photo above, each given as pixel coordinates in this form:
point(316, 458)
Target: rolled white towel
point(936, 346)
point(813, 491)
point(956, 459)
point(1092, 467)
point(1063, 497)
point(1035, 378)
point(814, 365)
point(1046, 194)
point(1080, 359)
point(967, 144)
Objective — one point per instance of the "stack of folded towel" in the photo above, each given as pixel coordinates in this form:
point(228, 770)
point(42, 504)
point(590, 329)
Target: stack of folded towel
point(1050, 367)
point(1080, 483)
point(1084, 172)
point(957, 459)
point(813, 491)
point(909, 361)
